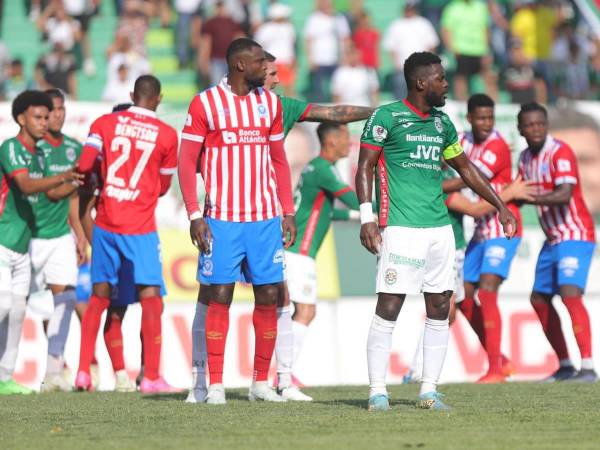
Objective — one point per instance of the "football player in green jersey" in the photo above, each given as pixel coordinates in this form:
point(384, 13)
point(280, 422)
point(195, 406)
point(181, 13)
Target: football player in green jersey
point(22, 178)
point(54, 251)
point(294, 111)
point(406, 142)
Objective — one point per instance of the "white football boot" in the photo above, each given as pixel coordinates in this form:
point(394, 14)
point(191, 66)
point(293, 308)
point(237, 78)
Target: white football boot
point(260, 390)
point(216, 395)
point(198, 392)
point(123, 383)
point(294, 394)
point(55, 382)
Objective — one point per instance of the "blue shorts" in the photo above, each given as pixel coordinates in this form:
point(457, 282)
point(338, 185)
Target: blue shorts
point(125, 293)
point(137, 253)
point(493, 256)
point(83, 290)
point(252, 248)
point(564, 264)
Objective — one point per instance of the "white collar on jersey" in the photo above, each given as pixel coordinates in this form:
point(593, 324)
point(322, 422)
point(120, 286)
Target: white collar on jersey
point(142, 111)
point(227, 87)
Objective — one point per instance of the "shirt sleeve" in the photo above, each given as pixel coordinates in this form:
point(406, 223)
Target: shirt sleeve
point(11, 161)
point(452, 145)
point(495, 157)
point(276, 133)
point(195, 128)
point(92, 148)
point(564, 166)
point(376, 130)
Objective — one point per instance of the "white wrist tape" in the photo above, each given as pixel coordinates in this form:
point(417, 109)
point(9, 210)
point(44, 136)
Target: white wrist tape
point(366, 213)
point(196, 215)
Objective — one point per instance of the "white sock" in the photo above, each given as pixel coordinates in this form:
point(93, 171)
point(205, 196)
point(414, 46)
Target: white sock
point(565, 363)
point(299, 331)
point(59, 323)
point(379, 346)
point(284, 347)
point(199, 346)
point(416, 367)
point(587, 364)
point(10, 335)
point(435, 343)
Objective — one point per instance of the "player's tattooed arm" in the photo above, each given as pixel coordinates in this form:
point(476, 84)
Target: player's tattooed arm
point(338, 113)
point(478, 183)
point(370, 237)
point(561, 195)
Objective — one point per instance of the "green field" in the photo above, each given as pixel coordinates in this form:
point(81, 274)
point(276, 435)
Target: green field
point(512, 416)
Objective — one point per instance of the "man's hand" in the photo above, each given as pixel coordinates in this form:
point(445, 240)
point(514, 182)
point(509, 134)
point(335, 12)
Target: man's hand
point(288, 227)
point(508, 221)
point(81, 251)
point(370, 237)
point(520, 190)
point(72, 176)
point(201, 235)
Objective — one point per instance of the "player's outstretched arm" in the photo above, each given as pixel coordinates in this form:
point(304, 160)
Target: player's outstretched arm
point(370, 237)
point(480, 185)
point(29, 185)
point(63, 191)
point(338, 113)
point(561, 195)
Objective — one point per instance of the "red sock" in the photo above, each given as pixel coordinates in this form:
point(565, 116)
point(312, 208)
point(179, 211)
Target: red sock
point(264, 320)
point(90, 324)
point(217, 325)
point(492, 326)
point(581, 324)
point(151, 335)
point(113, 338)
point(551, 325)
point(472, 313)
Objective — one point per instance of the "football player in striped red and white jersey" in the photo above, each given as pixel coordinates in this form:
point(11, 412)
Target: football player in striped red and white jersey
point(235, 129)
point(564, 260)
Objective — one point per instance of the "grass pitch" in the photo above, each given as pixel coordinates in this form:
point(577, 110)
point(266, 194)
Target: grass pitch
point(511, 416)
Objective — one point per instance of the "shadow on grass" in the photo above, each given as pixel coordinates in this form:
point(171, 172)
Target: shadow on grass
point(362, 403)
point(176, 396)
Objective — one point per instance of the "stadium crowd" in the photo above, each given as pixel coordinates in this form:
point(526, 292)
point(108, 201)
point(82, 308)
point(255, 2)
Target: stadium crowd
point(516, 49)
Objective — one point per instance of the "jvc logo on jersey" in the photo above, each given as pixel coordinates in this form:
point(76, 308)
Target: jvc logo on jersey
point(431, 152)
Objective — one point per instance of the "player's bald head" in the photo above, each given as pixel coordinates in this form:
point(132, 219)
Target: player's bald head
point(238, 48)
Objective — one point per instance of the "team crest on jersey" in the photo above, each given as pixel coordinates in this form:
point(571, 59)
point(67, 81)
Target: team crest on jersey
point(278, 257)
point(262, 111)
point(569, 265)
point(379, 133)
point(391, 276)
point(71, 156)
point(437, 122)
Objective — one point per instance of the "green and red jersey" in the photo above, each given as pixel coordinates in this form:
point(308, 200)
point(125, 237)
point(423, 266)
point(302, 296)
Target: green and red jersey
point(319, 185)
point(51, 217)
point(293, 111)
point(16, 208)
point(409, 175)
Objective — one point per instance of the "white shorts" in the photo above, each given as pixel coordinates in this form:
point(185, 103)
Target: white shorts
point(416, 260)
point(15, 272)
point(53, 261)
point(459, 264)
point(301, 276)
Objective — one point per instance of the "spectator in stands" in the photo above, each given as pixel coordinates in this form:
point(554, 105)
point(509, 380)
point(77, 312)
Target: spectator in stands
point(353, 83)
point(571, 54)
point(406, 35)
point(533, 23)
point(217, 34)
point(4, 61)
point(278, 37)
point(57, 70)
point(246, 13)
point(499, 30)
point(16, 82)
point(83, 11)
point(466, 34)
point(122, 53)
point(432, 9)
point(117, 88)
point(521, 80)
point(134, 23)
point(325, 33)
point(58, 26)
point(189, 22)
point(366, 40)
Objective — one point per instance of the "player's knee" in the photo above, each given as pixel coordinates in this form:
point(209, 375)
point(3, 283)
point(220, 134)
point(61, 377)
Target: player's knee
point(267, 294)
point(389, 306)
point(537, 298)
point(304, 313)
point(438, 305)
point(570, 291)
point(490, 282)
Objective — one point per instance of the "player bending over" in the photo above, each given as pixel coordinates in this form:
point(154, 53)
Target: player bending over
point(564, 260)
point(23, 179)
point(405, 142)
point(138, 155)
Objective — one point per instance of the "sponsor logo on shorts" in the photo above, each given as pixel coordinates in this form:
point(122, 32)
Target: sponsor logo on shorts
point(278, 257)
point(307, 289)
point(391, 276)
point(569, 265)
point(495, 255)
point(399, 260)
point(207, 268)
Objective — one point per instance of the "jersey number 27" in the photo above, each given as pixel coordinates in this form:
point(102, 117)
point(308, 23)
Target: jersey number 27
point(123, 144)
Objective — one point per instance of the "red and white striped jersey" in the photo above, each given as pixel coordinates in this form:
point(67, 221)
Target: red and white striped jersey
point(492, 157)
point(236, 164)
point(556, 164)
